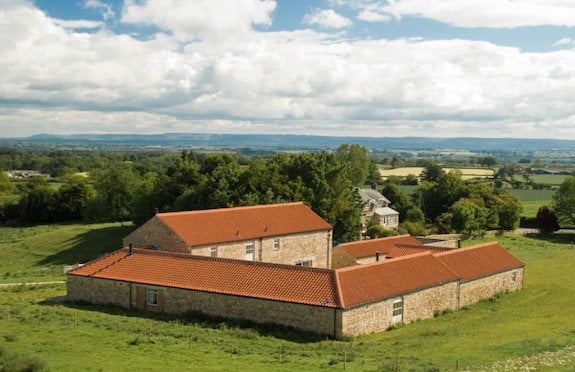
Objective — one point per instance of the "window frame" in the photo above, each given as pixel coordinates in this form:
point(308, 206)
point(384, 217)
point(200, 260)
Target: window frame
point(213, 251)
point(277, 244)
point(152, 296)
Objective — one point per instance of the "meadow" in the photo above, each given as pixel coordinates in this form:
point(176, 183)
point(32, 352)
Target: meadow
point(466, 173)
point(531, 328)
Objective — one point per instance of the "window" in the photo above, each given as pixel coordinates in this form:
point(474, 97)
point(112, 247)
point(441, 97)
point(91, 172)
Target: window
point(250, 251)
point(397, 310)
point(513, 277)
point(303, 263)
point(152, 297)
point(213, 251)
point(276, 244)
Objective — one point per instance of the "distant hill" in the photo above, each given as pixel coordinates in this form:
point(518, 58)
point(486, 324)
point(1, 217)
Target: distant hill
point(289, 141)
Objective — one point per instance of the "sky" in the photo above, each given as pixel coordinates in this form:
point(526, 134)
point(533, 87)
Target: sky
point(374, 68)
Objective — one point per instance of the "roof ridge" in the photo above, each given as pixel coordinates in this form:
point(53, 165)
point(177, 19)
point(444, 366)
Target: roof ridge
point(383, 262)
point(97, 260)
point(386, 238)
point(471, 248)
point(228, 260)
point(338, 292)
point(214, 210)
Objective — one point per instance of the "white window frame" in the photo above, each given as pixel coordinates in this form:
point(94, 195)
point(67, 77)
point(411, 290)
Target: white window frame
point(397, 310)
point(250, 250)
point(277, 244)
point(307, 262)
point(213, 251)
point(152, 296)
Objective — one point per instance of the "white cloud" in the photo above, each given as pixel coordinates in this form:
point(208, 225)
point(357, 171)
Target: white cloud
point(57, 80)
point(78, 23)
point(201, 19)
point(473, 13)
point(564, 42)
point(327, 18)
point(105, 9)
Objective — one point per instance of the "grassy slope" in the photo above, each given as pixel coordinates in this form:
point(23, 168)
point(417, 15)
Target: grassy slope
point(533, 320)
point(38, 253)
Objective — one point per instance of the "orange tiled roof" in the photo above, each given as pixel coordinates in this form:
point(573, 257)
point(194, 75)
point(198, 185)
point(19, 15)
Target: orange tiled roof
point(289, 283)
point(389, 278)
point(400, 250)
point(242, 223)
point(366, 248)
point(479, 261)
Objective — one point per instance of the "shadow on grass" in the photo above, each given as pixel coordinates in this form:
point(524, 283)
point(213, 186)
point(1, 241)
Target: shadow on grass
point(233, 327)
point(89, 245)
point(555, 238)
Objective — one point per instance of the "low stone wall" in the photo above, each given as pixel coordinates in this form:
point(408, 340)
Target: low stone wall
point(484, 288)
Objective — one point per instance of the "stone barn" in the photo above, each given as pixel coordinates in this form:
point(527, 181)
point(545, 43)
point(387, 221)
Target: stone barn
point(335, 302)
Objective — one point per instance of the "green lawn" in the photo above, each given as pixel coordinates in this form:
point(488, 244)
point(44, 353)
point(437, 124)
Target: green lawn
point(38, 253)
point(73, 337)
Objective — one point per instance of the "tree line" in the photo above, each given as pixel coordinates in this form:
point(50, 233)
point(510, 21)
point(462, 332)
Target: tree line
point(123, 187)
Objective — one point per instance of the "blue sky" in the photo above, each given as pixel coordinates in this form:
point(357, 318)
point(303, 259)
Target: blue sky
point(438, 68)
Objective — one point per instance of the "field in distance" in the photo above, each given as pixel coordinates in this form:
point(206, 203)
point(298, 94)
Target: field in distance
point(466, 173)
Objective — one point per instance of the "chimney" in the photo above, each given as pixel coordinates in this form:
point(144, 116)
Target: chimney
point(130, 249)
point(377, 256)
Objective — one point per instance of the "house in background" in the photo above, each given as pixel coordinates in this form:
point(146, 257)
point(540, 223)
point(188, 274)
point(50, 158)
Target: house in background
point(336, 302)
point(376, 207)
point(288, 233)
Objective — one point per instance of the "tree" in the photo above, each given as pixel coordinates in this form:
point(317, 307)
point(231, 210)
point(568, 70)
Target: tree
point(487, 161)
point(72, 198)
point(37, 204)
point(355, 160)
point(468, 217)
point(564, 202)
point(6, 186)
point(431, 171)
point(547, 220)
point(114, 188)
point(509, 210)
point(375, 230)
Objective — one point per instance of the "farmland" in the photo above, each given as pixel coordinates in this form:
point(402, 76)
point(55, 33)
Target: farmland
point(516, 328)
point(466, 173)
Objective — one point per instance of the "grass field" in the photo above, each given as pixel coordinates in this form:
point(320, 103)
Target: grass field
point(466, 173)
point(503, 331)
point(39, 253)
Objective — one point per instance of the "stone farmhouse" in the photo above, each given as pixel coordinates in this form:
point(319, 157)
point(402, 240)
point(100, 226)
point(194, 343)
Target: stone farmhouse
point(351, 300)
point(288, 233)
point(376, 207)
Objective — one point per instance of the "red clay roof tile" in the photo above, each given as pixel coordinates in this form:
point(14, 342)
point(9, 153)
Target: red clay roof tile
point(479, 261)
point(214, 226)
point(385, 279)
point(401, 250)
point(289, 283)
point(367, 248)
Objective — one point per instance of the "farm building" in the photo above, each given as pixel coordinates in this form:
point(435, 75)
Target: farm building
point(288, 233)
point(336, 302)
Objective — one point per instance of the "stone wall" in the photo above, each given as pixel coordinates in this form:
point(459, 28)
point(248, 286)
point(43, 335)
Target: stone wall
point(426, 303)
point(483, 288)
point(98, 291)
point(155, 233)
point(316, 319)
point(378, 316)
point(314, 246)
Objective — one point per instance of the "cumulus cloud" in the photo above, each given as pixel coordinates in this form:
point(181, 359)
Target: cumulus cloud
point(564, 42)
point(327, 18)
point(201, 19)
point(78, 23)
point(61, 81)
point(473, 13)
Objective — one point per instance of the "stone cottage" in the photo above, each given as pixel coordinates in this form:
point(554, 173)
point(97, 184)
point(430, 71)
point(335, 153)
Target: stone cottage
point(335, 302)
point(376, 208)
point(288, 233)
